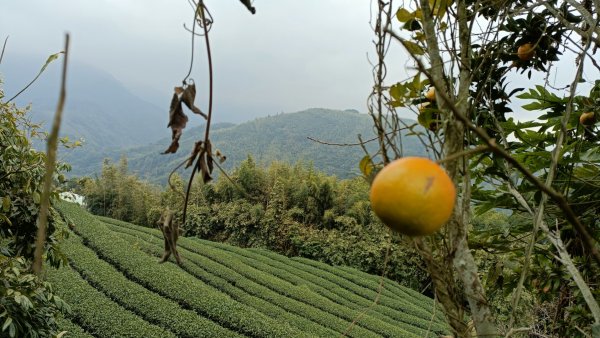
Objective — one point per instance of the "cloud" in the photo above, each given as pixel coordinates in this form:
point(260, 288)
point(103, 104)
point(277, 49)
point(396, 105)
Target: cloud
point(290, 56)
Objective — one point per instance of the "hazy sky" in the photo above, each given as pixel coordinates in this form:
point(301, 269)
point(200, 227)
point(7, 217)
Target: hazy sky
point(290, 56)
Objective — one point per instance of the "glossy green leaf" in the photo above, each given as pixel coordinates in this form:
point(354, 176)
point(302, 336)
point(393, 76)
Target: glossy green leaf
point(404, 15)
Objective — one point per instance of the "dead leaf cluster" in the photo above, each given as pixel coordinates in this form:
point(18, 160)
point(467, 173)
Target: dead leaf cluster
point(177, 118)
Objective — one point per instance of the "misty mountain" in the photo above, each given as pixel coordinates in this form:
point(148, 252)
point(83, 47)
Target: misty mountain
point(98, 109)
point(282, 137)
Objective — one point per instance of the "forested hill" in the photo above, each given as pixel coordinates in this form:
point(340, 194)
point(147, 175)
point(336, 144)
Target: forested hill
point(282, 137)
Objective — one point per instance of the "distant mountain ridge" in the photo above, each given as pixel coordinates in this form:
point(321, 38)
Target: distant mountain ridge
point(282, 137)
point(98, 108)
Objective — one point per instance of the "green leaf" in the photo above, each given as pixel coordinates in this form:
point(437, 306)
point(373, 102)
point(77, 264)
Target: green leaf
point(6, 204)
point(49, 60)
point(5, 219)
point(404, 15)
point(366, 166)
point(7, 322)
point(413, 48)
point(36, 197)
point(416, 83)
point(398, 91)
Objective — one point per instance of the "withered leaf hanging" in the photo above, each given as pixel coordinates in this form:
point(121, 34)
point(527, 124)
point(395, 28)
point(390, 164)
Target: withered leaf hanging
point(188, 96)
point(203, 167)
point(177, 122)
point(220, 156)
point(197, 148)
point(249, 6)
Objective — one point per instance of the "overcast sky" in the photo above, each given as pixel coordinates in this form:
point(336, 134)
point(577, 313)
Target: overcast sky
point(290, 56)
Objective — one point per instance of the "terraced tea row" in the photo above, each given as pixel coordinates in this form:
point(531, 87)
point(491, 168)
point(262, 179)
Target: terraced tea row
point(262, 267)
point(224, 291)
point(147, 304)
point(240, 290)
point(96, 313)
point(168, 281)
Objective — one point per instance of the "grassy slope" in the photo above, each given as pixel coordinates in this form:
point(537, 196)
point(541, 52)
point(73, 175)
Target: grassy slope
point(116, 288)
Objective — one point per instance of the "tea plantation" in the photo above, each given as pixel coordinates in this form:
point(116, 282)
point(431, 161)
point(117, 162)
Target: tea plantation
point(116, 288)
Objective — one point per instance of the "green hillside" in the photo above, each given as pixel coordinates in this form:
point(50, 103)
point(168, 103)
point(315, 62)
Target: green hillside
point(116, 288)
point(282, 137)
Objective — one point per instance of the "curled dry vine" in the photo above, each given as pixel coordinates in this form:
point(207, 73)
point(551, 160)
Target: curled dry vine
point(202, 157)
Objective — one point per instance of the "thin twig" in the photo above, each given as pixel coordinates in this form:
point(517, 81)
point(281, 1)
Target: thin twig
point(3, 49)
point(193, 40)
point(50, 163)
point(349, 144)
point(201, 10)
point(514, 331)
point(173, 172)
point(48, 61)
point(465, 153)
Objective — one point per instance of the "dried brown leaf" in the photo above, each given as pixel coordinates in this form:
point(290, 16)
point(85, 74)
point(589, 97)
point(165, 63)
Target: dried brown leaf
point(177, 122)
point(220, 156)
point(197, 148)
point(249, 6)
point(203, 168)
point(188, 97)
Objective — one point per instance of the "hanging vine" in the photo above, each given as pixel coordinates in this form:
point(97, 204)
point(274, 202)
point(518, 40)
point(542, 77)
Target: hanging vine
point(201, 157)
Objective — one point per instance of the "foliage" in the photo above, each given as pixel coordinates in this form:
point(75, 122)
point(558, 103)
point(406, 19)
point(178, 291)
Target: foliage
point(21, 173)
point(298, 300)
point(98, 314)
point(118, 194)
point(295, 210)
point(540, 170)
point(29, 305)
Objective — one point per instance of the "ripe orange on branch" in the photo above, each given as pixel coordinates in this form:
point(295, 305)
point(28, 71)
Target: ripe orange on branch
point(587, 118)
point(525, 52)
point(413, 196)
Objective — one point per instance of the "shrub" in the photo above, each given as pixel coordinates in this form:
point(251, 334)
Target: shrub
point(29, 305)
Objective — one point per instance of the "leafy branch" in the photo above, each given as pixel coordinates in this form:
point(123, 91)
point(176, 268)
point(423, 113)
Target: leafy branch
point(556, 196)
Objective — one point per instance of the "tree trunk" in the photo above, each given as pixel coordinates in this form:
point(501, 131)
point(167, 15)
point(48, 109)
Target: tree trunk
point(458, 251)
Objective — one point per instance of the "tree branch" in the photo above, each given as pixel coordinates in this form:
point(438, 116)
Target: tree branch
point(557, 197)
point(50, 164)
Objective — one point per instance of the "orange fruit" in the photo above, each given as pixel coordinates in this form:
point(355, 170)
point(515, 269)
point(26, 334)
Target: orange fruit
point(413, 196)
point(430, 95)
point(525, 52)
point(587, 118)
